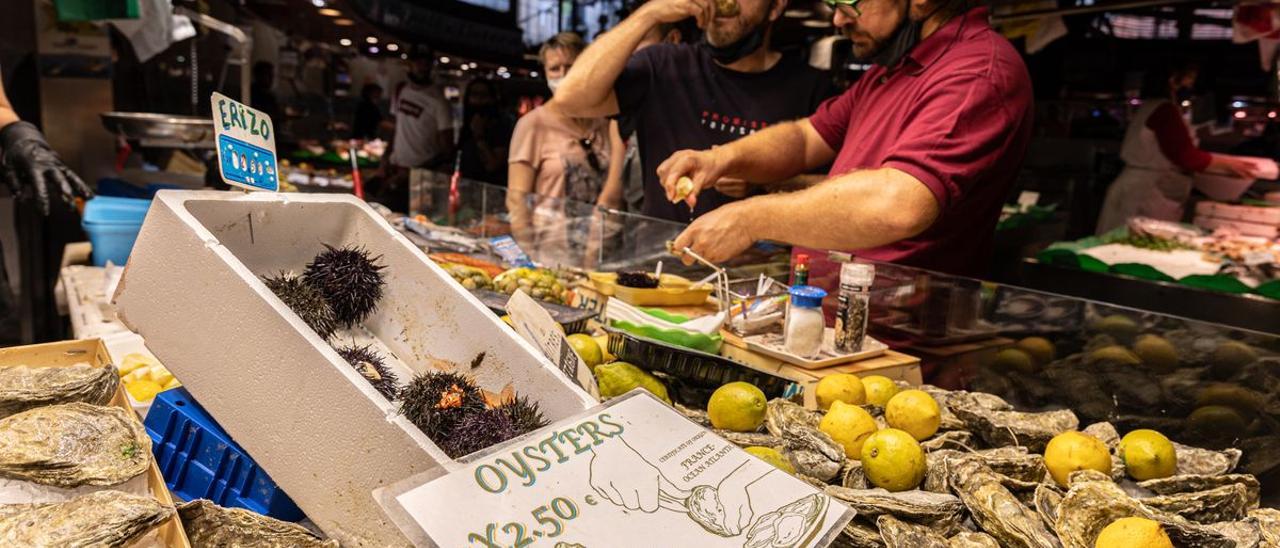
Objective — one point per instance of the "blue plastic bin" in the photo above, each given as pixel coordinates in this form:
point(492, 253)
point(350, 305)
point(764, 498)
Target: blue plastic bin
point(112, 224)
point(199, 460)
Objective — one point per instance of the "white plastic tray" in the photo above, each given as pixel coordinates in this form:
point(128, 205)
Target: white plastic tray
point(770, 344)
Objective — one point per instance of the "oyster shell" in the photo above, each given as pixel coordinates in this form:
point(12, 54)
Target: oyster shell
point(969, 539)
point(812, 452)
point(994, 508)
point(781, 415)
point(749, 439)
point(1085, 476)
point(916, 506)
point(1015, 463)
point(1268, 520)
point(208, 524)
point(1046, 501)
point(1205, 462)
point(1246, 533)
point(73, 444)
point(951, 439)
point(851, 476)
point(900, 534)
point(794, 524)
point(1003, 428)
point(1226, 503)
point(1187, 484)
point(857, 535)
point(696, 415)
point(1107, 434)
point(23, 387)
point(101, 519)
point(1092, 505)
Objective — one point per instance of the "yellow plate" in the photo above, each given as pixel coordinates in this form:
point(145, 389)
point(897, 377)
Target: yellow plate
point(672, 290)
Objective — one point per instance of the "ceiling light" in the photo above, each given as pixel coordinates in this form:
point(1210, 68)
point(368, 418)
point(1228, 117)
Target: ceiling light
point(345, 41)
point(1240, 115)
point(371, 39)
point(317, 3)
point(502, 69)
point(393, 47)
point(533, 74)
point(465, 67)
point(344, 22)
point(404, 55)
point(508, 75)
point(330, 12)
point(373, 49)
point(1237, 104)
point(1271, 115)
point(816, 23)
point(444, 60)
point(1186, 104)
point(474, 65)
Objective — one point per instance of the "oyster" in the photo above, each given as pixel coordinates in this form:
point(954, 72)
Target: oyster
point(1186, 484)
point(208, 524)
point(1226, 503)
point(23, 387)
point(951, 439)
point(1107, 434)
point(1046, 501)
point(1246, 533)
point(1268, 520)
point(101, 519)
point(794, 524)
point(696, 415)
point(73, 444)
point(994, 508)
point(916, 506)
point(969, 539)
point(1002, 428)
point(1092, 505)
point(781, 415)
point(1085, 476)
point(851, 476)
point(749, 439)
point(812, 452)
point(1205, 462)
point(900, 534)
point(1015, 463)
point(857, 535)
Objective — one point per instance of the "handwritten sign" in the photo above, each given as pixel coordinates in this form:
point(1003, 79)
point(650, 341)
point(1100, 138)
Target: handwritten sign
point(633, 472)
point(246, 145)
point(537, 326)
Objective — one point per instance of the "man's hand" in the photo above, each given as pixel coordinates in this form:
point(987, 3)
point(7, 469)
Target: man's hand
point(704, 167)
point(719, 235)
point(623, 477)
point(671, 11)
point(31, 167)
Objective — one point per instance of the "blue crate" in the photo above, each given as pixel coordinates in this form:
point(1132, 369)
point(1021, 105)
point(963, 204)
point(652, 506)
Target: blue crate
point(199, 460)
point(112, 224)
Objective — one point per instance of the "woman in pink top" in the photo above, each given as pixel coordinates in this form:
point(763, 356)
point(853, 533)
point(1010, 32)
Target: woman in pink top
point(554, 157)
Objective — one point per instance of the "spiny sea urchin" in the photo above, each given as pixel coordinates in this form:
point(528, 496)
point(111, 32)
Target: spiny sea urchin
point(436, 401)
point(477, 431)
point(524, 413)
point(305, 301)
point(372, 367)
point(349, 279)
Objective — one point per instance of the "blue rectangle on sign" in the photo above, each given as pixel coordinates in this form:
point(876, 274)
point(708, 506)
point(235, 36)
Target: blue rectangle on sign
point(247, 164)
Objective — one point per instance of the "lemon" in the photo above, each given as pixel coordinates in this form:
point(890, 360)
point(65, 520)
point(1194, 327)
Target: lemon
point(1071, 451)
point(1133, 532)
point(1121, 327)
point(143, 391)
point(840, 387)
point(1147, 454)
point(587, 349)
point(1216, 422)
point(1229, 357)
point(849, 425)
point(1243, 400)
point(1156, 352)
point(1112, 354)
point(618, 378)
point(737, 406)
point(1014, 359)
point(1038, 347)
point(879, 389)
point(893, 460)
point(603, 342)
point(914, 412)
point(772, 456)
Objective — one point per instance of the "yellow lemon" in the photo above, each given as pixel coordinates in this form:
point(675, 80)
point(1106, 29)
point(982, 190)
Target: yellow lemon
point(1147, 454)
point(1112, 354)
point(737, 406)
point(1071, 451)
point(893, 460)
point(840, 387)
point(772, 456)
point(1230, 357)
point(1216, 422)
point(587, 349)
point(915, 412)
point(879, 389)
point(603, 342)
point(1156, 352)
point(1133, 532)
point(1038, 347)
point(1014, 359)
point(849, 425)
point(618, 378)
point(143, 391)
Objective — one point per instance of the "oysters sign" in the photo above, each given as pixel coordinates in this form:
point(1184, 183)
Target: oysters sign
point(632, 472)
point(246, 145)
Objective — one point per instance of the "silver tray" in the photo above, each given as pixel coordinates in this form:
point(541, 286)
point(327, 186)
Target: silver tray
point(161, 130)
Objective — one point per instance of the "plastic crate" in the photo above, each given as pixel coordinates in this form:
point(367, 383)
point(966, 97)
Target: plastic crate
point(199, 460)
point(113, 224)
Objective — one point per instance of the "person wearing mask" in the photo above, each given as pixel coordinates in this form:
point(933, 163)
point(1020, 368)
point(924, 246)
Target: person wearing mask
point(486, 131)
point(682, 96)
point(633, 168)
point(368, 116)
point(555, 156)
point(424, 132)
point(924, 149)
point(1160, 154)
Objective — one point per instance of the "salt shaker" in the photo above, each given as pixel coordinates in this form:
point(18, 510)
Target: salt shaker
point(805, 325)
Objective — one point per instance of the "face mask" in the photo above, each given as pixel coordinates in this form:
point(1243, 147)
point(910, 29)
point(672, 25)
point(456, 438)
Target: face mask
point(554, 83)
point(745, 46)
point(904, 38)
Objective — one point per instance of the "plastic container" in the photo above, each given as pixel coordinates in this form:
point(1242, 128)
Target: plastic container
point(115, 210)
point(672, 290)
point(112, 224)
point(805, 324)
point(200, 461)
point(853, 305)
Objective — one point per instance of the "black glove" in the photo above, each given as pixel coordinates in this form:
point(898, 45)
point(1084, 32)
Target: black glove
point(29, 165)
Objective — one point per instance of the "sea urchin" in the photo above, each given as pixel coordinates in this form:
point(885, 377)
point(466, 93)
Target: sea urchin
point(524, 413)
point(477, 431)
point(436, 401)
point(305, 301)
point(349, 279)
point(372, 367)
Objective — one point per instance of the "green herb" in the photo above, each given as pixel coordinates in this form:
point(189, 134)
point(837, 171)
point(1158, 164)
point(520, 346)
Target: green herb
point(1151, 242)
point(130, 450)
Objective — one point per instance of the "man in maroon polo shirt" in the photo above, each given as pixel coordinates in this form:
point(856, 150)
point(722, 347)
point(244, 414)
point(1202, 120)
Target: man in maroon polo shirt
point(924, 148)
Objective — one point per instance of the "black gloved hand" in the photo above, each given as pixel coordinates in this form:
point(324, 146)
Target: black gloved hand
point(31, 167)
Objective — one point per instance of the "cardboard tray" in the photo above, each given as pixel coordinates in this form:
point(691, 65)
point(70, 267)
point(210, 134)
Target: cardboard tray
point(92, 351)
point(672, 290)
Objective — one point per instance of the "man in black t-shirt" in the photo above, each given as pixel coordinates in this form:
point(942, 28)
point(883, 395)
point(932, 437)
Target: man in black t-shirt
point(681, 96)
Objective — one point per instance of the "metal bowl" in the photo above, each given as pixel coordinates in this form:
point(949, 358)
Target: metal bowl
point(161, 130)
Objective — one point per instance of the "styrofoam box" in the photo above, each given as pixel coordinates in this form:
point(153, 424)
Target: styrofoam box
point(1235, 212)
point(191, 289)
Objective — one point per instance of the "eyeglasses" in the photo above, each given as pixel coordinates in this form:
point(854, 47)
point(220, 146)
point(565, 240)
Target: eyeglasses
point(591, 154)
point(851, 4)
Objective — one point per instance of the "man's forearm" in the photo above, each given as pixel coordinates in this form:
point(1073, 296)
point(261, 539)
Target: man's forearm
point(590, 84)
point(859, 210)
point(776, 154)
point(7, 114)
